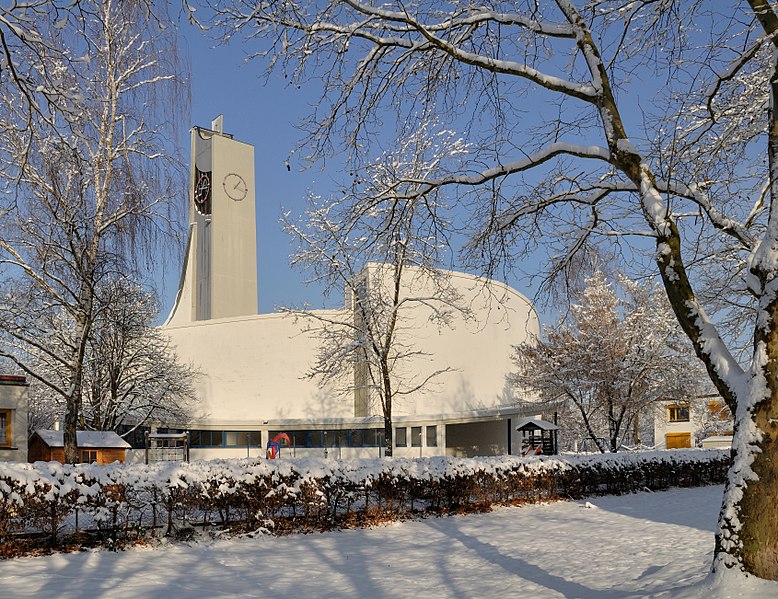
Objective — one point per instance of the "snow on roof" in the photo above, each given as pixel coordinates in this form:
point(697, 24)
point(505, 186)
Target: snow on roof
point(530, 423)
point(107, 439)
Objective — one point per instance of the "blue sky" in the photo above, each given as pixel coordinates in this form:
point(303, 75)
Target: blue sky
point(264, 116)
point(262, 113)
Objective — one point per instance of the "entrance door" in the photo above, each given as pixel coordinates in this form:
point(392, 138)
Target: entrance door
point(678, 440)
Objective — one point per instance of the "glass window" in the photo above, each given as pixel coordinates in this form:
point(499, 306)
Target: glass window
point(401, 437)
point(337, 438)
point(242, 438)
point(719, 410)
point(298, 438)
point(88, 456)
point(315, 439)
point(432, 436)
point(358, 437)
point(203, 438)
point(678, 413)
point(5, 428)
point(416, 436)
point(136, 437)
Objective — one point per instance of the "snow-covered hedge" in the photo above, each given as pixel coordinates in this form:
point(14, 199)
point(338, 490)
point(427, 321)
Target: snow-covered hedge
point(53, 504)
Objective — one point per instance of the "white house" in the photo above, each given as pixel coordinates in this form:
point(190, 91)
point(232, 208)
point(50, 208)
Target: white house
point(704, 422)
point(13, 418)
point(253, 366)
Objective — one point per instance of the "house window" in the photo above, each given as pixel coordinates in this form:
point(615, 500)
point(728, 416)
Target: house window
point(432, 436)
point(416, 436)
point(5, 428)
point(401, 437)
point(88, 456)
point(719, 410)
point(678, 413)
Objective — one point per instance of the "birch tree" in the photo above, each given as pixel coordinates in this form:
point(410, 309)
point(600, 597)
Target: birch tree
point(88, 183)
point(609, 362)
point(26, 50)
point(648, 125)
point(386, 258)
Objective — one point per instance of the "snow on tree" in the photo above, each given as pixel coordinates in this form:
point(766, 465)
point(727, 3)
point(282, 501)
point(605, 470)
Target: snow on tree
point(645, 125)
point(131, 373)
point(607, 363)
point(87, 181)
point(385, 256)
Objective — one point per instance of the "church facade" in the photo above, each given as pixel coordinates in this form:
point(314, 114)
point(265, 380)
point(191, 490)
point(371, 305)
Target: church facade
point(253, 384)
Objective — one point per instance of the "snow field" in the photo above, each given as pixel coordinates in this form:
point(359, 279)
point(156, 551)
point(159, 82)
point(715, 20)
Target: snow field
point(640, 545)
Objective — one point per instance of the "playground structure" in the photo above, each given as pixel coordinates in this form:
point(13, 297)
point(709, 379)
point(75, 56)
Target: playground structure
point(537, 437)
point(274, 445)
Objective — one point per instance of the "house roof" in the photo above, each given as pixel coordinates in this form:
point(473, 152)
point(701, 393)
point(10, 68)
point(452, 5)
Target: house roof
point(96, 439)
point(13, 379)
point(529, 424)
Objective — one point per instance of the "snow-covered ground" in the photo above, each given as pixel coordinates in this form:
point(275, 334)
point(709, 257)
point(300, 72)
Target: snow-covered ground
point(647, 544)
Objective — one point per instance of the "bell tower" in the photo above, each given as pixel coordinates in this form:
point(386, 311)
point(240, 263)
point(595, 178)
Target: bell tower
point(219, 277)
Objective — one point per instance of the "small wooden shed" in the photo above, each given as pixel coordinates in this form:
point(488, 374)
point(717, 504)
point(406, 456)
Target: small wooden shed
point(538, 436)
point(99, 447)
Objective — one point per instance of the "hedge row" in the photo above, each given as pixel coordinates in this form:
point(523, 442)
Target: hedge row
point(50, 506)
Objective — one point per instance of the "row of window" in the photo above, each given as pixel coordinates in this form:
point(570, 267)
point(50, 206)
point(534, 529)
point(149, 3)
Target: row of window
point(360, 437)
point(680, 412)
point(201, 438)
point(401, 436)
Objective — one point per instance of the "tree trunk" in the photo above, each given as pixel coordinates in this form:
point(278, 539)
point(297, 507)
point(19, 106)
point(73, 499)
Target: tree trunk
point(387, 404)
point(70, 425)
point(388, 435)
point(73, 401)
point(748, 524)
point(756, 511)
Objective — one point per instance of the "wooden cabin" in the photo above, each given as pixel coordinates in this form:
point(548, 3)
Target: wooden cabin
point(94, 447)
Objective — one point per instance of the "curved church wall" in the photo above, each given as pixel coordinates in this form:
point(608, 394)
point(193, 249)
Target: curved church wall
point(253, 367)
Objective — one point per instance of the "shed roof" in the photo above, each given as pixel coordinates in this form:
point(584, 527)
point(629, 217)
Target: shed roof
point(96, 439)
point(528, 424)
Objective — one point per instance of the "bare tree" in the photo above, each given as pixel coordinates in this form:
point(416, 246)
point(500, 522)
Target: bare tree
point(27, 52)
point(133, 374)
point(610, 361)
point(385, 257)
point(89, 186)
point(546, 93)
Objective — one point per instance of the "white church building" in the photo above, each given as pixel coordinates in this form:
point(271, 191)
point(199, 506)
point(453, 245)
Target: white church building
point(253, 367)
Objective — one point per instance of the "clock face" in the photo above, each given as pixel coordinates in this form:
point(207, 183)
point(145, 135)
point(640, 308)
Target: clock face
point(202, 191)
point(235, 187)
